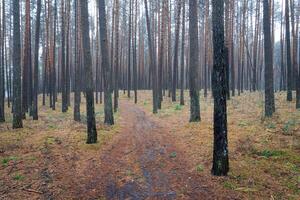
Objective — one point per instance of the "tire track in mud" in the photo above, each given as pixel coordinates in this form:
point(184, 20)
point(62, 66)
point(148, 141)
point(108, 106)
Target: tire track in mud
point(156, 183)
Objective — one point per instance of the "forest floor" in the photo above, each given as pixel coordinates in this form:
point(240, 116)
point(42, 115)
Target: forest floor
point(146, 156)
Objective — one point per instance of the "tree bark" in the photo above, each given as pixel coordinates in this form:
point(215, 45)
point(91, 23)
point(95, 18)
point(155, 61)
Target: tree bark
point(17, 93)
point(2, 80)
point(269, 87)
point(220, 153)
point(182, 56)
point(288, 53)
point(77, 91)
point(108, 110)
point(152, 60)
point(175, 63)
point(36, 61)
point(194, 62)
point(90, 110)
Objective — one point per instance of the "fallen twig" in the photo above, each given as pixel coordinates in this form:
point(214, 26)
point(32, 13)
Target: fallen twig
point(32, 190)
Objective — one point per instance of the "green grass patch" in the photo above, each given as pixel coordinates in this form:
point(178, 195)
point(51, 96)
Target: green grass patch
point(199, 168)
point(50, 140)
point(229, 185)
point(270, 153)
point(242, 124)
point(18, 177)
point(178, 107)
point(5, 161)
point(173, 155)
point(288, 127)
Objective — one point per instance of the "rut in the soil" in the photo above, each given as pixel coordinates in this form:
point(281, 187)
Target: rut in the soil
point(156, 183)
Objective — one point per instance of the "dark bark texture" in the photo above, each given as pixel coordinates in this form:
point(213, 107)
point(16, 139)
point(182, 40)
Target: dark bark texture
point(36, 61)
point(194, 62)
point(220, 154)
point(17, 93)
point(90, 110)
point(269, 87)
point(108, 110)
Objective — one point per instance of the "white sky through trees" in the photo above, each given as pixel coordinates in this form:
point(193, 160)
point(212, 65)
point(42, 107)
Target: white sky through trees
point(279, 6)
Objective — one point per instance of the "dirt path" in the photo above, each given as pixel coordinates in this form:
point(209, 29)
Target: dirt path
point(142, 163)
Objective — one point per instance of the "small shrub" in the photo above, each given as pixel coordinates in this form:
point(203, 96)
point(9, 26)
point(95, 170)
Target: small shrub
point(173, 155)
point(199, 168)
point(288, 126)
point(50, 140)
point(178, 107)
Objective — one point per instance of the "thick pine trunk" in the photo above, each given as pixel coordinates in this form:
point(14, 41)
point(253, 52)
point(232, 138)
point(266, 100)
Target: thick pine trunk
point(77, 91)
point(108, 110)
point(269, 87)
point(63, 61)
point(87, 60)
point(152, 61)
point(220, 153)
point(194, 62)
point(17, 93)
point(116, 57)
point(26, 62)
point(175, 63)
point(36, 61)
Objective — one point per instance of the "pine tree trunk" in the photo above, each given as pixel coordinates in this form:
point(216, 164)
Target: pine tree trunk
point(169, 51)
point(194, 62)
point(108, 110)
point(220, 153)
point(175, 63)
point(129, 51)
point(77, 91)
point(288, 53)
point(26, 62)
point(36, 61)
point(17, 93)
point(63, 61)
point(2, 82)
point(135, 56)
point(90, 110)
point(162, 51)
point(152, 60)
point(116, 57)
point(269, 87)
point(182, 56)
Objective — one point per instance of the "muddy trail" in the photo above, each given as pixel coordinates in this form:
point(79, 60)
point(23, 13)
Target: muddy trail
point(142, 163)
